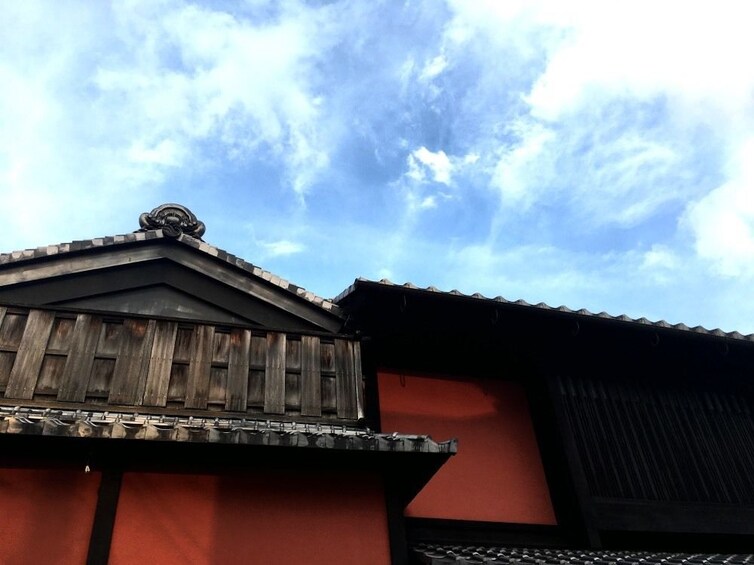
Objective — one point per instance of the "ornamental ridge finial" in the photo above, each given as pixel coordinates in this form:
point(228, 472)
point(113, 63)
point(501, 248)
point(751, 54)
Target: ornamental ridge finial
point(173, 220)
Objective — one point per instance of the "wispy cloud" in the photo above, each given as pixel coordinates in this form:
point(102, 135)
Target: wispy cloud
point(281, 248)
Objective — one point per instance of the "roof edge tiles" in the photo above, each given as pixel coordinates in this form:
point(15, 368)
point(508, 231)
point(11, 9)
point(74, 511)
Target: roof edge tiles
point(660, 324)
point(444, 554)
point(134, 426)
point(190, 241)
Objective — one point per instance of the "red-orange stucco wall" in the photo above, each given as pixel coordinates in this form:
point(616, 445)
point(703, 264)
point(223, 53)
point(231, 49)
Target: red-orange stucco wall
point(497, 474)
point(294, 517)
point(47, 515)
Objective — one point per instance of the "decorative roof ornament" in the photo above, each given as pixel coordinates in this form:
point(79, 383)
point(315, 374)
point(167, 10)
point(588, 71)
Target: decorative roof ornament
point(173, 220)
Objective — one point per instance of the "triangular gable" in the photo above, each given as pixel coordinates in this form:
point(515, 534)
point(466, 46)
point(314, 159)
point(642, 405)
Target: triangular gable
point(161, 271)
point(156, 300)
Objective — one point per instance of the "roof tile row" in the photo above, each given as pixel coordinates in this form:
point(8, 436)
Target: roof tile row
point(436, 554)
point(542, 306)
point(117, 425)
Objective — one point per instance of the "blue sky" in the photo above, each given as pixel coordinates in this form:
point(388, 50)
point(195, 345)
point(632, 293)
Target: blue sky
point(594, 154)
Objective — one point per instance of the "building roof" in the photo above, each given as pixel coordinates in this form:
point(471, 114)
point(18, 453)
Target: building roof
point(29, 255)
point(440, 554)
point(582, 313)
point(241, 431)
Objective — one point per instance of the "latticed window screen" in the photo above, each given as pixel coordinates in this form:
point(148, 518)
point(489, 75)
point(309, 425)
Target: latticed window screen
point(666, 444)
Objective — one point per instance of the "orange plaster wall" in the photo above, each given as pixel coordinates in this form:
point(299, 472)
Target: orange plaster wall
point(497, 474)
point(300, 517)
point(47, 515)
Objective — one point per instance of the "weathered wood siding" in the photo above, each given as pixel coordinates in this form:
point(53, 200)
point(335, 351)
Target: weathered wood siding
point(63, 358)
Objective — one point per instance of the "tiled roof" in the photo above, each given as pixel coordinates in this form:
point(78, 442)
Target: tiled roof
point(434, 554)
point(118, 425)
point(662, 324)
point(74, 246)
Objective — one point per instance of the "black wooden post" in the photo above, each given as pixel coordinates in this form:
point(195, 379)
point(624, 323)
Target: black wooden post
point(104, 517)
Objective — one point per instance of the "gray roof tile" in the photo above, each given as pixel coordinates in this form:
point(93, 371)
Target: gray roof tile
point(124, 425)
point(447, 554)
point(542, 306)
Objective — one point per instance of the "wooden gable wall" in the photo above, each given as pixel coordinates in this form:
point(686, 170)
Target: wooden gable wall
point(53, 357)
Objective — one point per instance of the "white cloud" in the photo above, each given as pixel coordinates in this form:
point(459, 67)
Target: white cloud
point(516, 173)
point(661, 264)
point(643, 49)
point(660, 257)
point(433, 68)
point(722, 222)
point(592, 65)
point(437, 164)
point(189, 73)
point(166, 152)
point(281, 247)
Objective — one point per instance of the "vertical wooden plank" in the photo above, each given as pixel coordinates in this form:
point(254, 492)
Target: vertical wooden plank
point(160, 362)
point(327, 358)
point(218, 385)
point(182, 351)
point(344, 380)
point(221, 347)
point(218, 374)
point(327, 369)
point(110, 338)
point(257, 364)
point(78, 365)
point(12, 329)
point(61, 335)
point(130, 372)
point(311, 377)
point(178, 379)
point(274, 374)
point(236, 394)
point(358, 378)
point(7, 358)
point(50, 374)
point(293, 355)
point(101, 377)
point(329, 395)
point(200, 363)
point(293, 374)
point(31, 350)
